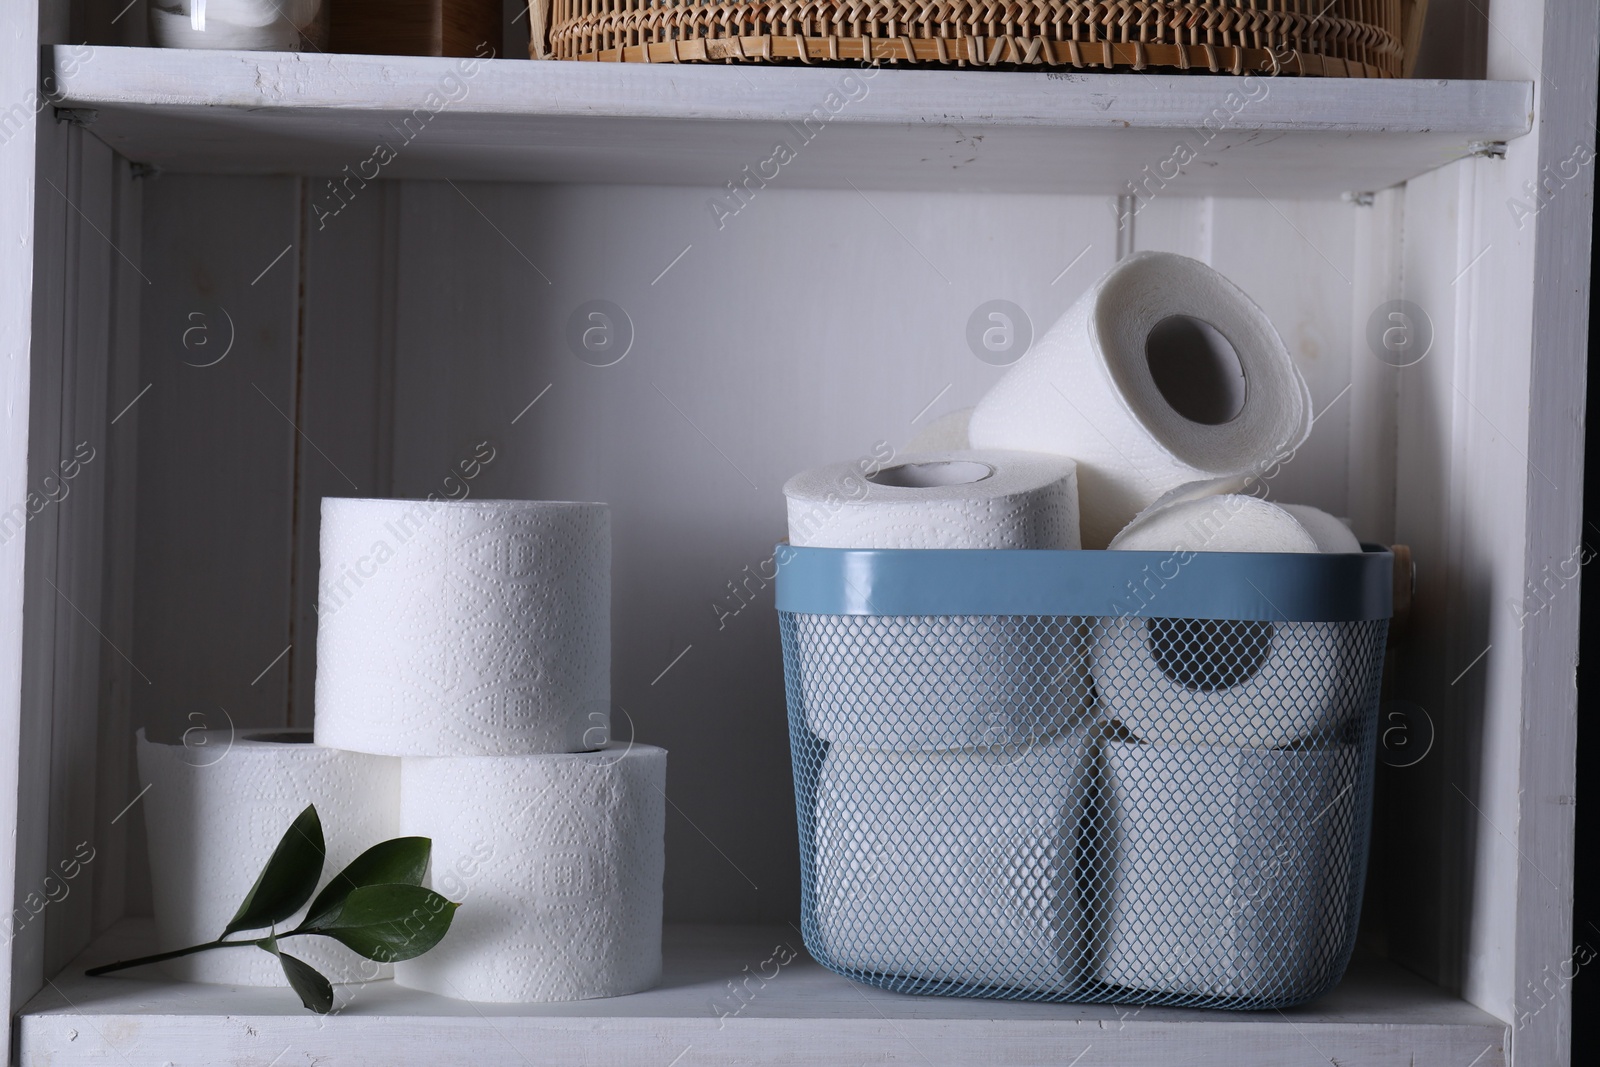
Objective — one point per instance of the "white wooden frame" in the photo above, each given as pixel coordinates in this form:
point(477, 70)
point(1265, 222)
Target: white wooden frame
point(18, 82)
point(1470, 437)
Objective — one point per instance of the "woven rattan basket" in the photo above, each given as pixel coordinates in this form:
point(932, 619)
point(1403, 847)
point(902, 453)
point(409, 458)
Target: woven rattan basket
point(1331, 38)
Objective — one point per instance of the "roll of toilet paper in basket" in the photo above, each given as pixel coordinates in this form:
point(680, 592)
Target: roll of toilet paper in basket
point(945, 682)
point(956, 868)
point(1252, 683)
point(559, 860)
point(1163, 373)
point(1331, 534)
point(216, 806)
point(470, 628)
point(1224, 872)
point(960, 499)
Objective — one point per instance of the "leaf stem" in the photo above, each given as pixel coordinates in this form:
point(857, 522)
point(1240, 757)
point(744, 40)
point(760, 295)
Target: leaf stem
point(121, 965)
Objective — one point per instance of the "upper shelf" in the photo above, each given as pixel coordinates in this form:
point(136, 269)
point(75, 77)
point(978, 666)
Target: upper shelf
point(389, 116)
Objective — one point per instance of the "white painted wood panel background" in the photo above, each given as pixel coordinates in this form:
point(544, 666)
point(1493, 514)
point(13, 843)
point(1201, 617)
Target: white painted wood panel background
point(346, 392)
point(215, 501)
point(82, 438)
point(120, 884)
point(75, 667)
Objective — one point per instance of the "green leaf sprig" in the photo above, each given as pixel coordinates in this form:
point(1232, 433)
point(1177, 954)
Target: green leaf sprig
point(376, 907)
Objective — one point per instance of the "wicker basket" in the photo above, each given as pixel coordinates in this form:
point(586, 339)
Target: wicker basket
point(1331, 38)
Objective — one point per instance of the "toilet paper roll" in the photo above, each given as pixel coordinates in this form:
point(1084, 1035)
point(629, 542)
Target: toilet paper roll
point(1226, 682)
point(950, 681)
point(559, 860)
point(947, 433)
point(1227, 872)
point(1163, 373)
point(472, 628)
point(940, 682)
point(1227, 523)
point(952, 867)
point(970, 499)
point(216, 807)
point(1331, 534)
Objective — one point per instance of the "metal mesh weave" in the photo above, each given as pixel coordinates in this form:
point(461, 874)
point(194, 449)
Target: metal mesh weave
point(1163, 811)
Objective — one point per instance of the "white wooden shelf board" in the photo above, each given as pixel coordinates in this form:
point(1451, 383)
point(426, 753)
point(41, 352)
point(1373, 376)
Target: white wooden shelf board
point(801, 1015)
point(512, 120)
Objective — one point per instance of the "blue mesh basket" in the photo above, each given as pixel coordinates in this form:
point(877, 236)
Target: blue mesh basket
point(1138, 777)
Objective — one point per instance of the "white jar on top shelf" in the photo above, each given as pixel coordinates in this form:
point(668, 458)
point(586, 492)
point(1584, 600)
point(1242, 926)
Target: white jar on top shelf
point(249, 25)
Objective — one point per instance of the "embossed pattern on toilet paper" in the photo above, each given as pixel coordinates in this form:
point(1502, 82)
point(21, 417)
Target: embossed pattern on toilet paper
point(1331, 534)
point(216, 808)
point(1227, 523)
point(559, 860)
point(478, 628)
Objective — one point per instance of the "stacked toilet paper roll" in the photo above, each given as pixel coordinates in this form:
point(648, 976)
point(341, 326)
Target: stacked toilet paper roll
point(1230, 869)
point(471, 628)
point(1225, 808)
point(939, 683)
point(911, 681)
point(559, 861)
point(1163, 373)
point(1227, 682)
point(947, 805)
point(953, 866)
point(1331, 534)
point(472, 639)
point(216, 804)
point(1225, 523)
point(961, 499)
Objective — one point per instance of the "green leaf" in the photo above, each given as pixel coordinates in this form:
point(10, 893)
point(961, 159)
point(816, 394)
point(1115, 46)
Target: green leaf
point(401, 861)
point(288, 879)
point(388, 922)
point(315, 991)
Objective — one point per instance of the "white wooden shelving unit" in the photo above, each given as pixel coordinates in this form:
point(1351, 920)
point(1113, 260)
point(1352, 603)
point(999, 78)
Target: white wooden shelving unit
point(242, 113)
point(409, 312)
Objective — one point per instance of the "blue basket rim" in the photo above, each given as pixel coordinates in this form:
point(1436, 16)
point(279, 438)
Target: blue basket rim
point(1254, 586)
